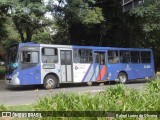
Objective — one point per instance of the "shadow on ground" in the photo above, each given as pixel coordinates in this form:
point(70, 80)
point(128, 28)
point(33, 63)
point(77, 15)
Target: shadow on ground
point(66, 85)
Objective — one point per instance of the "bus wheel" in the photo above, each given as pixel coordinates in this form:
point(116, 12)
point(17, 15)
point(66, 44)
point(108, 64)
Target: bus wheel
point(50, 82)
point(122, 77)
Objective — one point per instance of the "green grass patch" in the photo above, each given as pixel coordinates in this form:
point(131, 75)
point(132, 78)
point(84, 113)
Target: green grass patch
point(119, 98)
point(21, 108)
point(2, 69)
point(17, 108)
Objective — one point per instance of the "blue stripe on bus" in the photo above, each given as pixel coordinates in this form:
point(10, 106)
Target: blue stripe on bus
point(104, 77)
point(86, 73)
point(93, 71)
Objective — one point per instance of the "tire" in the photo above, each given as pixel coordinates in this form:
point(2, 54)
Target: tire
point(50, 82)
point(122, 77)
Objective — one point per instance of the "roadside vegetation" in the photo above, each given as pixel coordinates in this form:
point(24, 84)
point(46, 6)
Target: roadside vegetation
point(117, 98)
point(2, 70)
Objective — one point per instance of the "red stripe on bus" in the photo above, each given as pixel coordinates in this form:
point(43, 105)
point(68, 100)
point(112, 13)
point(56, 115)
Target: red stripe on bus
point(102, 73)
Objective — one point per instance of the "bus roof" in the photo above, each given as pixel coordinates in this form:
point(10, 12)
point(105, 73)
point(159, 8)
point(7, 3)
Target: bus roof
point(80, 47)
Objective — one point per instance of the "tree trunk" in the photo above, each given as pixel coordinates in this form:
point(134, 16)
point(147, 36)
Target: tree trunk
point(19, 30)
point(28, 34)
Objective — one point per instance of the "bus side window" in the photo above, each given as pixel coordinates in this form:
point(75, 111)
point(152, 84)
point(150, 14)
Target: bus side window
point(76, 56)
point(135, 57)
point(113, 57)
point(146, 57)
point(84, 56)
point(29, 57)
point(49, 55)
point(124, 56)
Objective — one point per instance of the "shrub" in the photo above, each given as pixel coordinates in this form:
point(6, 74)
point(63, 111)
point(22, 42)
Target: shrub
point(3, 108)
point(117, 98)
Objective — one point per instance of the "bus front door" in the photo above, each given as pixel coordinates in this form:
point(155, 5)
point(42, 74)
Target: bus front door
point(66, 66)
point(100, 65)
point(30, 67)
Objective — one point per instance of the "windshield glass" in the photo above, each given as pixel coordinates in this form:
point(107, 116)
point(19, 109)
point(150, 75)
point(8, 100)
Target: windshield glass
point(13, 57)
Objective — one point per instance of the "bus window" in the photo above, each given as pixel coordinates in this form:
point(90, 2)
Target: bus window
point(99, 57)
point(124, 56)
point(75, 56)
point(85, 56)
point(29, 57)
point(145, 57)
point(135, 57)
point(49, 55)
point(113, 57)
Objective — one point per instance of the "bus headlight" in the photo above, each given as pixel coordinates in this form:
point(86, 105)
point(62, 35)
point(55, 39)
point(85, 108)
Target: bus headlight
point(15, 80)
point(15, 75)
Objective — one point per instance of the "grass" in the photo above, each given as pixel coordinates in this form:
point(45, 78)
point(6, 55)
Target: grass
point(21, 108)
point(2, 69)
point(118, 98)
point(2, 72)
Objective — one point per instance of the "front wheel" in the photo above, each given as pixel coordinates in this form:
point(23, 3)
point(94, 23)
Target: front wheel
point(50, 82)
point(122, 77)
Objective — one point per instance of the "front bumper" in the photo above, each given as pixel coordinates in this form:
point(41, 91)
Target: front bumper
point(12, 81)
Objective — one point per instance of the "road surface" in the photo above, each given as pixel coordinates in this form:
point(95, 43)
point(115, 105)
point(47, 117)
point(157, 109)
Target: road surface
point(30, 94)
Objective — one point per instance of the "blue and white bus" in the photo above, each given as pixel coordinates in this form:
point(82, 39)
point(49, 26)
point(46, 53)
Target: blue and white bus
point(50, 65)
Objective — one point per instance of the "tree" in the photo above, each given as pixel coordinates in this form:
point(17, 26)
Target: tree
point(28, 16)
point(70, 13)
point(150, 22)
point(3, 20)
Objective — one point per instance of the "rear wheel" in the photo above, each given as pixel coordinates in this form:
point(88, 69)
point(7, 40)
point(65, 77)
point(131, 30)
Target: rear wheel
point(122, 77)
point(50, 82)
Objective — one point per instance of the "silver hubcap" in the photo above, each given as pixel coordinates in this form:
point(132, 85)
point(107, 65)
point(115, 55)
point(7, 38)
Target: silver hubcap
point(122, 78)
point(50, 82)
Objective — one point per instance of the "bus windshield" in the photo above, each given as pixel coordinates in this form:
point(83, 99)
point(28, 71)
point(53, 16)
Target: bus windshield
point(13, 57)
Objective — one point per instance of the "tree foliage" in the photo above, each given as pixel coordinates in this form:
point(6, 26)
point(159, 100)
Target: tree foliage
point(150, 12)
point(28, 16)
point(68, 13)
point(149, 15)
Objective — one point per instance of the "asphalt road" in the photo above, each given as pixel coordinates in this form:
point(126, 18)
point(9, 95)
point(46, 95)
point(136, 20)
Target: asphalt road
point(30, 94)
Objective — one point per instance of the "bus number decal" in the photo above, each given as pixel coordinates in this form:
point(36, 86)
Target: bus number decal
point(147, 66)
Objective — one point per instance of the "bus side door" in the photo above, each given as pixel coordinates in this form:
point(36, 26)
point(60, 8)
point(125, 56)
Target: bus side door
point(66, 66)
